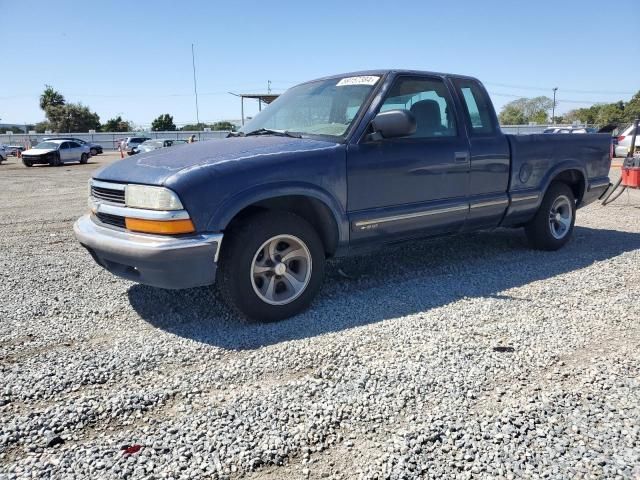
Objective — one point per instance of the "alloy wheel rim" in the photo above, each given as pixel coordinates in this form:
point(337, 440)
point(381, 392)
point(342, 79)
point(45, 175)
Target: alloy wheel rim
point(281, 269)
point(560, 217)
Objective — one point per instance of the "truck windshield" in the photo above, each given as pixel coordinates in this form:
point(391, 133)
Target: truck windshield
point(325, 107)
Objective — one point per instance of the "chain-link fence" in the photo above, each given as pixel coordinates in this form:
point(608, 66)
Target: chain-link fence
point(108, 140)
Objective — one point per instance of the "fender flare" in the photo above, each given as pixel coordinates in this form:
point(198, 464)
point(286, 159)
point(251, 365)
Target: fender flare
point(232, 205)
point(560, 168)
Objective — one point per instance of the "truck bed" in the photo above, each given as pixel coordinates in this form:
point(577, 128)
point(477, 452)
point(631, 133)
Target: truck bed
point(536, 159)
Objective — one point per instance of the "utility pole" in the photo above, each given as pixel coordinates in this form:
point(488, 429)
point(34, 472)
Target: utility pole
point(195, 85)
point(553, 114)
point(268, 86)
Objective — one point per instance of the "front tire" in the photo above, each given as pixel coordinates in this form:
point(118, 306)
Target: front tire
point(27, 163)
point(271, 266)
point(84, 158)
point(552, 226)
point(94, 152)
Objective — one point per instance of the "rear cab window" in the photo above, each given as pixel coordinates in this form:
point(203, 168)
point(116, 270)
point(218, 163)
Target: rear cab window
point(477, 107)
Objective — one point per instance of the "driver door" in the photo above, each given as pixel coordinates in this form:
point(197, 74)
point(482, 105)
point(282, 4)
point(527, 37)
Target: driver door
point(415, 185)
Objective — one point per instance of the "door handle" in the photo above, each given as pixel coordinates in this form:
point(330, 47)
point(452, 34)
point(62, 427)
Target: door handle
point(461, 157)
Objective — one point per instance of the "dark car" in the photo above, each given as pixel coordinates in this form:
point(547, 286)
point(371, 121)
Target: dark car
point(336, 166)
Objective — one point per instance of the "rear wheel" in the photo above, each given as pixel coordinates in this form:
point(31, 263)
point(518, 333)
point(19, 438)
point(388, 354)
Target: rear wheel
point(84, 158)
point(271, 266)
point(553, 223)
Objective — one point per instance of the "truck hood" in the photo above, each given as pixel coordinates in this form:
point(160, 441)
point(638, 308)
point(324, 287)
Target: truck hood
point(159, 166)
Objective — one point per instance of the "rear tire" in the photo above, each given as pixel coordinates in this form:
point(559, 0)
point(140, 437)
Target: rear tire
point(271, 266)
point(552, 226)
point(84, 158)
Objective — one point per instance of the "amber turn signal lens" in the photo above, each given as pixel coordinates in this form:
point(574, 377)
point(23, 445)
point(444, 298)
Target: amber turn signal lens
point(163, 227)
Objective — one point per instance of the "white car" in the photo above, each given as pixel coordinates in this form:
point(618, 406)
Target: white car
point(56, 153)
point(3, 153)
point(150, 145)
point(624, 142)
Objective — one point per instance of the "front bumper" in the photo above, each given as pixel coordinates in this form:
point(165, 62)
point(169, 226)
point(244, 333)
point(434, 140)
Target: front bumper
point(160, 261)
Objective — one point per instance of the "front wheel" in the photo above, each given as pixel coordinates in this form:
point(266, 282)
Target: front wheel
point(27, 163)
point(553, 223)
point(94, 152)
point(84, 158)
point(271, 266)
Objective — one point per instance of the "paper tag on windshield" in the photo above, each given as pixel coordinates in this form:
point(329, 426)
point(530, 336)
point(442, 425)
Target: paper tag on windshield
point(364, 80)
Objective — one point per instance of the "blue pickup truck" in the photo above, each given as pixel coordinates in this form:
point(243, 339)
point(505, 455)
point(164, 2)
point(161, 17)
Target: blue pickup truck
point(334, 167)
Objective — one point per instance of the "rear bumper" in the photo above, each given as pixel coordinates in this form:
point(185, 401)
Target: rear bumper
point(155, 260)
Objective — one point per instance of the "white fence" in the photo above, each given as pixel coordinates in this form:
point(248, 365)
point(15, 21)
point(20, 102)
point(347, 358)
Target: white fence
point(108, 140)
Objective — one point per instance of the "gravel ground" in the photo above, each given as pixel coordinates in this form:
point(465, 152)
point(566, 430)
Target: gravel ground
point(467, 357)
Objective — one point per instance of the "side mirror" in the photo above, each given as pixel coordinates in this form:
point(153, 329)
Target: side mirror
point(393, 124)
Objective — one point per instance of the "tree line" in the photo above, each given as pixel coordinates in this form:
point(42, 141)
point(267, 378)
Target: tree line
point(62, 116)
point(526, 110)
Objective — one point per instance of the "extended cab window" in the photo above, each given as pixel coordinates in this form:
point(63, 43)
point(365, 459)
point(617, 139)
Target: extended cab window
point(477, 106)
point(429, 101)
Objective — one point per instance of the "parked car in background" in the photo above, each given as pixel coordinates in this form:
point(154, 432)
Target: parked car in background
point(132, 142)
point(3, 153)
point(569, 130)
point(584, 130)
point(624, 142)
point(56, 153)
point(335, 166)
point(94, 148)
point(14, 149)
point(155, 144)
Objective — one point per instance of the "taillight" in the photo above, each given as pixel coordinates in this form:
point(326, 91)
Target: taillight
point(620, 138)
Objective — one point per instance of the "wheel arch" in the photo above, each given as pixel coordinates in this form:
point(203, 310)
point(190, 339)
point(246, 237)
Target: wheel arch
point(317, 207)
point(572, 174)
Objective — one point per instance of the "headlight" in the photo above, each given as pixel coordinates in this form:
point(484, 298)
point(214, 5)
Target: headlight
point(151, 198)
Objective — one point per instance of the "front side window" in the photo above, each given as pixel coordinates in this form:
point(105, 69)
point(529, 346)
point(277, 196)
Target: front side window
point(324, 107)
point(429, 101)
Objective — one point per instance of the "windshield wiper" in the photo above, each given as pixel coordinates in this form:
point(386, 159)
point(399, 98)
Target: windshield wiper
point(267, 131)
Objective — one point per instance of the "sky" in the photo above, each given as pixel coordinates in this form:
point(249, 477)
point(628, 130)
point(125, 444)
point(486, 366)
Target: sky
point(134, 58)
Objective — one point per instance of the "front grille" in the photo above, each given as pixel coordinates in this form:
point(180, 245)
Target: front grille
point(110, 195)
point(115, 220)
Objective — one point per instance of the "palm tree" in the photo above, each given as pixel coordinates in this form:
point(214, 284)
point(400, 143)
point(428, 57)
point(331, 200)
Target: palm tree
point(50, 98)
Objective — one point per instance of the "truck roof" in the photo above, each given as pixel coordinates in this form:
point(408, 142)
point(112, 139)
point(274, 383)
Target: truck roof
point(383, 72)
